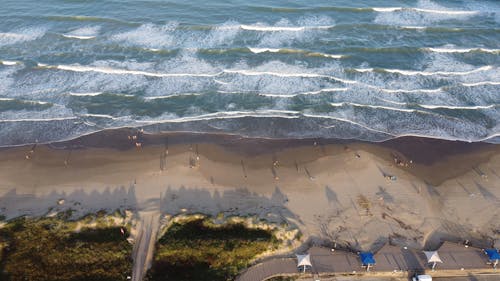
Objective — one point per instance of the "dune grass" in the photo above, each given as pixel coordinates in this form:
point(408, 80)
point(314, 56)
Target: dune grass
point(199, 250)
point(50, 249)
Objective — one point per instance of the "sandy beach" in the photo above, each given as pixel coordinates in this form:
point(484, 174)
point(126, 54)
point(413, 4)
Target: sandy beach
point(412, 191)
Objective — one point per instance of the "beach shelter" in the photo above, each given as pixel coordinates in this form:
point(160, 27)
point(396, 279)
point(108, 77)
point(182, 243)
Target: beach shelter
point(367, 260)
point(433, 257)
point(493, 256)
point(304, 261)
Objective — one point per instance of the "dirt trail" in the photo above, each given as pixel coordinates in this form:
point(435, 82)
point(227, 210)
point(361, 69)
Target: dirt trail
point(147, 230)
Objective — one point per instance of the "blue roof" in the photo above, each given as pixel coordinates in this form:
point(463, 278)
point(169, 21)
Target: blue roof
point(367, 258)
point(492, 254)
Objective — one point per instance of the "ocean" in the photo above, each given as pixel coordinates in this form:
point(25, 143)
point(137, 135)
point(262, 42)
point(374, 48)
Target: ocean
point(364, 70)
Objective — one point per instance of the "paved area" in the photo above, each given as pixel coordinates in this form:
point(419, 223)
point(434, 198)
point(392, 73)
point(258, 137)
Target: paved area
point(389, 259)
point(324, 260)
point(273, 267)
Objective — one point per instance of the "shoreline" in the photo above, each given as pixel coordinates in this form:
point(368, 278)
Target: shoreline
point(412, 191)
point(116, 132)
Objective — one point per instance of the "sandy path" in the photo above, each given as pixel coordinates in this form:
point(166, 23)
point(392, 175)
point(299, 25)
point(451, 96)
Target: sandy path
point(147, 230)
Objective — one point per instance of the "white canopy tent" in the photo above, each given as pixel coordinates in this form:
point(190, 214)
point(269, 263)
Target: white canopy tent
point(304, 260)
point(433, 257)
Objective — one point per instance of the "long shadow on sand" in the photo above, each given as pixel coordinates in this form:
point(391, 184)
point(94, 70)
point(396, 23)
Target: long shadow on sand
point(80, 201)
point(236, 202)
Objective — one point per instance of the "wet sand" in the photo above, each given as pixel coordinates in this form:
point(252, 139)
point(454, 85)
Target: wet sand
point(410, 191)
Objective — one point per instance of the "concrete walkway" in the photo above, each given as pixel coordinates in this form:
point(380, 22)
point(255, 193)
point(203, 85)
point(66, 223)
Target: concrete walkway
point(268, 269)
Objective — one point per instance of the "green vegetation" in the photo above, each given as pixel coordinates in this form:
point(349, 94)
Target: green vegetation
point(199, 250)
point(51, 249)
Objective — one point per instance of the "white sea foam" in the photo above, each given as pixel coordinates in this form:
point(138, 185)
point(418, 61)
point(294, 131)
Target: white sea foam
point(85, 94)
point(282, 28)
point(426, 73)
point(21, 35)
point(298, 51)
point(425, 13)
point(482, 83)
point(325, 90)
point(304, 93)
point(149, 35)
point(387, 9)
point(38, 119)
point(81, 37)
point(116, 71)
point(346, 121)
point(393, 102)
point(84, 33)
point(429, 91)
point(273, 73)
point(98, 116)
point(8, 62)
point(24, 101)
point(414, 27)
point(156, 37)
point(372, 106)
point(172, 96)
point(263, 50)
point(444, 12)
point(472, 107)
point(228, 115)
point(463, 50)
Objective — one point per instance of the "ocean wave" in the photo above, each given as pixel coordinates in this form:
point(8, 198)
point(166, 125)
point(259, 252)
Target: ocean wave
point(245, 72)
point(428, 91)
point(106, 116)
point(421, 10)
point(425, 73)
point(269, 113)
point(8, 62)
point(227, 122)
point(85, 94)
point(363, 10)
point(462, 50)
point(88, 19)
point(81, 37)
point(341, 104)
point(481, 83)
point(171, 96)
point(453, 107)
point(292, 51)
point(20, 120)
point(282, 28)
point(33, 102)
point(425, 13)
point(304, 93)
point(21, 35)
point(117, 71)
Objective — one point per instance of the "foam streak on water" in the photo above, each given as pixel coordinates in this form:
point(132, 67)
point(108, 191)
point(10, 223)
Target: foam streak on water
point(368, 71)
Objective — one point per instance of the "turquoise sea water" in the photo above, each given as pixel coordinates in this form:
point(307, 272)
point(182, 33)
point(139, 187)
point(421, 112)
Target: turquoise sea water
point(369, 70)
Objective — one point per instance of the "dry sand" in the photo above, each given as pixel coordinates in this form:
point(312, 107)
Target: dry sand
point(331, 191)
